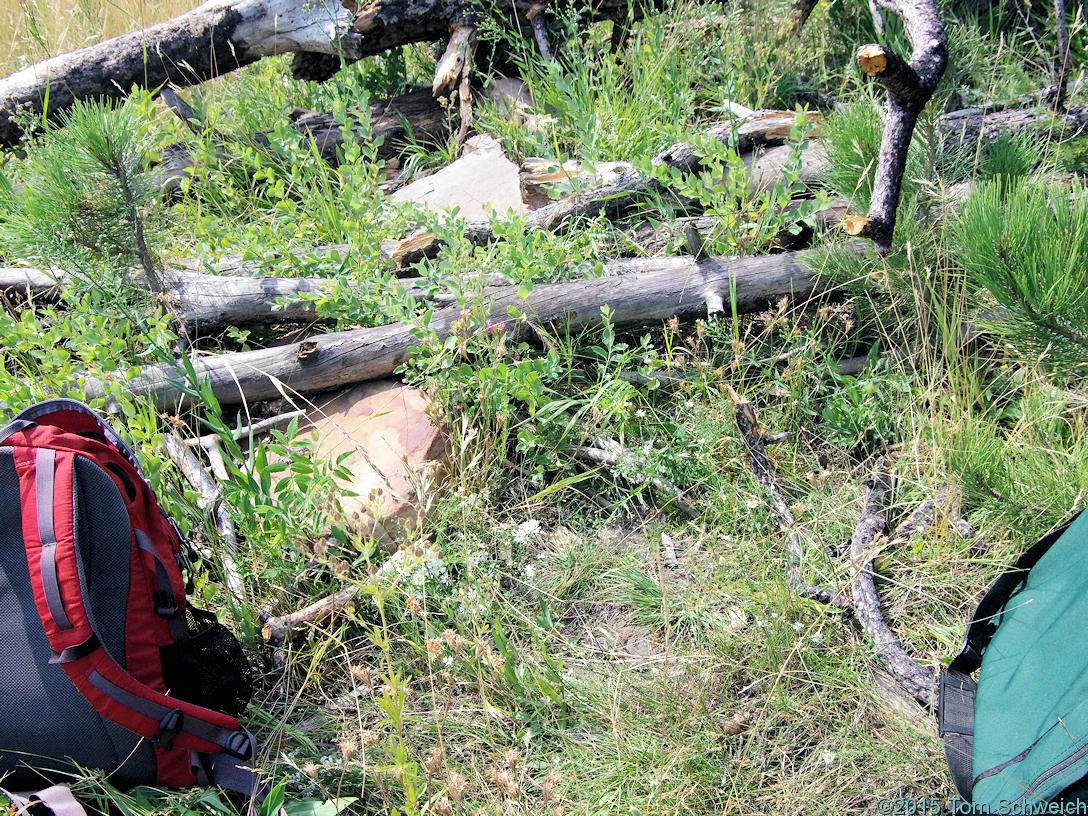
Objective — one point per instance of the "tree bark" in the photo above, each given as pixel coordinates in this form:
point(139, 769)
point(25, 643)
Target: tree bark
point(916, 679)
point(221, 36)
point(909, 87)
point(967, 127)
point(206, 303)
point(639, 291)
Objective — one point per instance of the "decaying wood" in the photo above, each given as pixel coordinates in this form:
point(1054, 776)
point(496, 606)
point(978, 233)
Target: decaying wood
point(212, 494)
point(277, 630)
point(1061, 64)
point(763, 470)
point(638, 290)
point(913, 677)
point(609, 453)
point(253, 429)
point(395, 122)
point(668, 551)
point(965, 128)
point(223, 35)
point(909, 87)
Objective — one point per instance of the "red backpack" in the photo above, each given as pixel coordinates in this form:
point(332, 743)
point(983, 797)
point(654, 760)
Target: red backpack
point(106, 665)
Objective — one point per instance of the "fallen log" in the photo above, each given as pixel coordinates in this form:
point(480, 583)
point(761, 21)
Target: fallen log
point(208, 303)
point(412, 115)
point(393, 123)
point(965, 128)
point(221, 36)
point(640, 290)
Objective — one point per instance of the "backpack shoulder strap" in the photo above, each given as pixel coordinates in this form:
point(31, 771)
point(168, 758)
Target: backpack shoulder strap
point(58, 800)
point(68, 415)
point(983, 625)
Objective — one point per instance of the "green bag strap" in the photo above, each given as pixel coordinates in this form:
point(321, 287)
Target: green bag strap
point(983, 626)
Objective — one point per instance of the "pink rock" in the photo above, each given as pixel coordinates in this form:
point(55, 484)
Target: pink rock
point(385, 428)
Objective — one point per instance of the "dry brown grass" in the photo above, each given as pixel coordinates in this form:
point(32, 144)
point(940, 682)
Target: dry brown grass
point(31, 30)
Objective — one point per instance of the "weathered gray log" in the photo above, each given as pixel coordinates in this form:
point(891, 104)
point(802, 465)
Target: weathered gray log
point(916, 679)
point(967, 127)
point(208, 303)
point(223, 35)
point(393, 123)
point(415, 114)
point(638, 291)
point(909, 87)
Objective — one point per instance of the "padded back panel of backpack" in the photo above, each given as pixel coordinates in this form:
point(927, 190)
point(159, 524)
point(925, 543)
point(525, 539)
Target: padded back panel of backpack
point(43, 718)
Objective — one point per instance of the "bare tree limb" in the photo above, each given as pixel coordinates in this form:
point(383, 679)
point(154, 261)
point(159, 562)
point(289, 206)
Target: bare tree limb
point(909, 86)
point(278, 630)
point(608, 452)
point(212, 493)
point(916, 679)
point(763, 470)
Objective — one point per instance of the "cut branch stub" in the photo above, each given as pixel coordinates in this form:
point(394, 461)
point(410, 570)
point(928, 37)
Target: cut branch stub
point(909, 86)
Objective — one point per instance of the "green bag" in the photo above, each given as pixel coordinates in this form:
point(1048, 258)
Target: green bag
point(1019, 736)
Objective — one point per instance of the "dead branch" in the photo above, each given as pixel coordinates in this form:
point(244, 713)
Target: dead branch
point(212, 494)
point(795, 21)
point(916, 679)
point(608, 452)
point(253, 429)
point(762, 469)
point(277, 630)
point(223, 35)
point(909, 86)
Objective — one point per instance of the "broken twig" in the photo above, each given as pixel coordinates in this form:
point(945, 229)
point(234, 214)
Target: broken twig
point(762, 469)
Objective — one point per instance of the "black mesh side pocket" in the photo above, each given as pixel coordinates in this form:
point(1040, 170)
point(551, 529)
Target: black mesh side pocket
point(209, 667)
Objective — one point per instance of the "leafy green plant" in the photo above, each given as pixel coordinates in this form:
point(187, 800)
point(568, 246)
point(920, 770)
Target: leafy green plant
point(745, 220)
point(863, 412)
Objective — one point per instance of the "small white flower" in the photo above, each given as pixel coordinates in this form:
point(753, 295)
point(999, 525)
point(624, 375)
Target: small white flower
point(648, 447)
point(640, 413)
point(798, 626)
point(817, 637)
point(525, 531)
point(530, 571)
point(752, 504)
point(689, 404)
point(447, 661)
point(827, 758)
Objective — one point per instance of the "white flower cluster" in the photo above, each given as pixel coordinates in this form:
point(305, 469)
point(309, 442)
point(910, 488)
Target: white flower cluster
point(412, 568)
point(526, 531)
